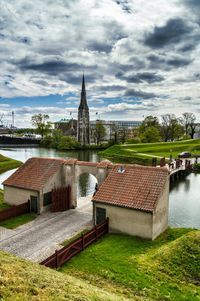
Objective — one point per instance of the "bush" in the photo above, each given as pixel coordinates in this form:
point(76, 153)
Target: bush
point(196, 166)
point(133, 140)
point(67, 142)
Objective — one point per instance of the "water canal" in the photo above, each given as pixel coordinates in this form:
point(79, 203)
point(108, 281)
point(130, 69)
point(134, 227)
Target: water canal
point(184, 201)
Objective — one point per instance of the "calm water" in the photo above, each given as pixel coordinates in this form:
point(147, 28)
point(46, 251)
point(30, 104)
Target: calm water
point(86, 182)
point(184, 202)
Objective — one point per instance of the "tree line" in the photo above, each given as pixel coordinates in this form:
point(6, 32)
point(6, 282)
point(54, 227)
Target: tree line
point(169, 129)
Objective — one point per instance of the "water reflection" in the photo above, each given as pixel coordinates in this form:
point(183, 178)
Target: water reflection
point(86, 184)
point(184, 202)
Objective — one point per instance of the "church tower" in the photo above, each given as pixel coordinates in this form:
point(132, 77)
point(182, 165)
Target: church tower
point(83, 126)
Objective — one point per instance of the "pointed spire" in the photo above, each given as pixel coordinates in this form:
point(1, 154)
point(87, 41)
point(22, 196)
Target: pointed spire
point(83, 102)
point(83, 83)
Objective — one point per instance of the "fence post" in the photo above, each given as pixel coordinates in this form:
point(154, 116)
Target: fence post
point(29, 206)
point(107, 225)
point(57, 259)
point(96, 233)
point(82, 241)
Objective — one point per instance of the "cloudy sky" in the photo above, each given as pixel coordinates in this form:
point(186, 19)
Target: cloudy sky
point(139, 57)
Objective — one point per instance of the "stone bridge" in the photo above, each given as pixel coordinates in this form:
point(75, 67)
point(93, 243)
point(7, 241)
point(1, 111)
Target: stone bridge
point(74, 168)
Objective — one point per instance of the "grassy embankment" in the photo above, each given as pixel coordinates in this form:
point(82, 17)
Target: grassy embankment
point(144, 152)
point(165, 269)
point(7, 164)
point(25, 281)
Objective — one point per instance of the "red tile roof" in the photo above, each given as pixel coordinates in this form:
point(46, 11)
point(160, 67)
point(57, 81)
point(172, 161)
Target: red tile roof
point(138, 187)
point(34, 173)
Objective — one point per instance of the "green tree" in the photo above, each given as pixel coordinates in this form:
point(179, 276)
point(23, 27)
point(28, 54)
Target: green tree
point(149, 121)
point(68, 142)
point(151, 134)
point(42, 124)
point(99, 132)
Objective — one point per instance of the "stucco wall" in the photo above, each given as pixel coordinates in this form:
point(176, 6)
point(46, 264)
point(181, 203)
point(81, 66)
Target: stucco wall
point(160, 217)
point(128, 221)
point(17, 196)
point(56, 181)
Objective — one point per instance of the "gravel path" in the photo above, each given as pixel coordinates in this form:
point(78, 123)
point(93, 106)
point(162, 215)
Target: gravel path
point(41, 237)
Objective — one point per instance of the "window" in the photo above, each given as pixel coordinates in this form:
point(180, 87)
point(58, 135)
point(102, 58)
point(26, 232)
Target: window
point(47, 199)
point(100, 215)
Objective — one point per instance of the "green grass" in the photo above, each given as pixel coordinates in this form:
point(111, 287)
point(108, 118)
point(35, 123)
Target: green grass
point(72, 239)
point(17, 221)
point(165, 269)
point(21, 280)
point(8, 163)
point(2, 204)
point(144, 152)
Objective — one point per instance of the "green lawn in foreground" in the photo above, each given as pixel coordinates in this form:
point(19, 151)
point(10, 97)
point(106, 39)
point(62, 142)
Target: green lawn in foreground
point(165, 269)
point(8, 163)
point(144, 152)
point(17, 221)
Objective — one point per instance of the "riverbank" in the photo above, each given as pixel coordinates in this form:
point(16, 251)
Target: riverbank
point(8, 163)
point(143, 153)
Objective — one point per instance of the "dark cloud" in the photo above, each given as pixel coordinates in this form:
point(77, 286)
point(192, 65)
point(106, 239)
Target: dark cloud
point(125, 5)
point(193, 4)
point(100, 47)
point(52, 67)
point(171, 33)
point(139, 94)
point(147, 77)
point(167, 63)
point(109, 88)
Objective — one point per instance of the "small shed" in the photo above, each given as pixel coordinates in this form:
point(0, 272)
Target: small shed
point(34, 181)
point(135, 199)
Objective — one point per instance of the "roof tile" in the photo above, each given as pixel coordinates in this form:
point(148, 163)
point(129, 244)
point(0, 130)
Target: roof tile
point(138, 187)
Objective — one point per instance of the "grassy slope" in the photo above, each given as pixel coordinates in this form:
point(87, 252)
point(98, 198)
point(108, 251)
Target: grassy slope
point(17, 221)
point(166, 269)
point(22, 280)
point(8, 163)
point(144, 152)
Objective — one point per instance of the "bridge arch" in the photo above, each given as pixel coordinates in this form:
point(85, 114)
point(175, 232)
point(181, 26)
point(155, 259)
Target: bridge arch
point(74, 168)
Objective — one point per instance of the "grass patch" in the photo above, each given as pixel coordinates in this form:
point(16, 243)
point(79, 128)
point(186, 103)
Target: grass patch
point(165, 269)
point(144, 152)
point(8, 163)
point(2, 204)
point(75, 237)
point(17, 221)
point(25, 281)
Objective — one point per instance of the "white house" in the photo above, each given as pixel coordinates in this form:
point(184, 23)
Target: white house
point(135, 199)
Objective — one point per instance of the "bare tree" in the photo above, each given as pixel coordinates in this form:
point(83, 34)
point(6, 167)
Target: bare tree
point(188, 121)
point(171, 128)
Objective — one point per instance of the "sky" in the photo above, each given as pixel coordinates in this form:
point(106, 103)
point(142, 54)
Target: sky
point(139, 58)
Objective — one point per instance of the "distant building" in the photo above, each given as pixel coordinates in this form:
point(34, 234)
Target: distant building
point(83, 126)
point(67, 126)
point(115, 128)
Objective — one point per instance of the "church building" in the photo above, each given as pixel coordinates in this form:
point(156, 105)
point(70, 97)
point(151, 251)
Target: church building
point(83, 126)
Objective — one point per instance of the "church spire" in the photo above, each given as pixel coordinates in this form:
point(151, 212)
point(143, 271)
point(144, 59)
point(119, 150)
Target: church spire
point(83, 102)
point(83, 125)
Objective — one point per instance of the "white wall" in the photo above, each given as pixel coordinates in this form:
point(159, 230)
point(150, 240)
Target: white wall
point(128, 221)
point(160, 217)
point(17, 196)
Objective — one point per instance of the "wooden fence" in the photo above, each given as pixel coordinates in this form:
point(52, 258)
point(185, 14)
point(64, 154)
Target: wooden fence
point(14, 211)
point(61, 256)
